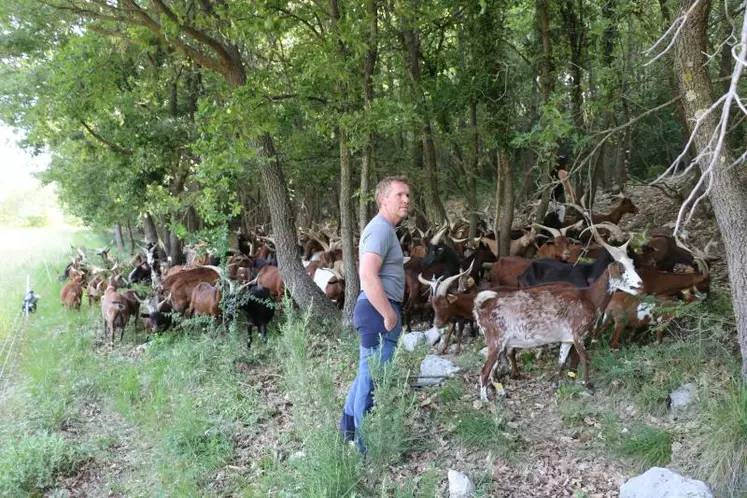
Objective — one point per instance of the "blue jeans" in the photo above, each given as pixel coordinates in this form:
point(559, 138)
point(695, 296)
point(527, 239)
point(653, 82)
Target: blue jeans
point(360, 397)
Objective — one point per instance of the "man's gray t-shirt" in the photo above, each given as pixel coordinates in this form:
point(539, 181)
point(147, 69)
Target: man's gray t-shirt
point(379, 237)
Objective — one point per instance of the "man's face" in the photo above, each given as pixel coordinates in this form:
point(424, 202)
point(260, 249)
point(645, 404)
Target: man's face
point(396, 202)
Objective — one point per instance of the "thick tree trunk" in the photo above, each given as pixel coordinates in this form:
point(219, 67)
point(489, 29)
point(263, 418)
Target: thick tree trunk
point(352, 284)
point(118, 237)
point(149, 228)
point(176, 249)
point(728, 195)
point(303, 290)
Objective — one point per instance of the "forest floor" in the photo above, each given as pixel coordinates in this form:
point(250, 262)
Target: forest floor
point(203, 416)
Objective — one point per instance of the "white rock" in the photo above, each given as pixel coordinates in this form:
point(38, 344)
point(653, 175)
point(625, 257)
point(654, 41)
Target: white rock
point(484, 352)
point(663, 483)
point(682, 397)
point(432, 336)
point(460, 486)
point(434, 370)
point(410, 341)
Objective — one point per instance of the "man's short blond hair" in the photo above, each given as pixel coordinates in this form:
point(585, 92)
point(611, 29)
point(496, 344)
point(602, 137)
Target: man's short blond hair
point(385, 185)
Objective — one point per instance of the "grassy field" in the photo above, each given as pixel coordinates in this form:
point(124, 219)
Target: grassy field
point(192, 412)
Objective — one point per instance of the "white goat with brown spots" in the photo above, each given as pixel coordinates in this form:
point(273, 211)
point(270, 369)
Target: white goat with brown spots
point(548, 314)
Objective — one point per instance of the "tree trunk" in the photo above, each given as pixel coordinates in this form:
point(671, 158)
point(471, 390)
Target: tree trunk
point(166, 237)
point(118, 237)
point(546, 85)
point(471, 179)
point(507, 210)
point(151, 234)
point(303, 290)
point(352, 284)
point(176, 249)
point(132, 238)
point(369, 65)
point(728, 195)
point(435, 210)
point(574, 24)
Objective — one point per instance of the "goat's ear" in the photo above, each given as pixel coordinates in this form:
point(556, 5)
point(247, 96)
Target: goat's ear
point(451, 297)
point(616, 270)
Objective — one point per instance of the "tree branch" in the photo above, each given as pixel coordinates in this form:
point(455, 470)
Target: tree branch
point(116, 148)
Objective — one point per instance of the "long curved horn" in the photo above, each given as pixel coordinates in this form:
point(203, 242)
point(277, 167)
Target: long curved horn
point(702, 266)
point(437, 238)
point(614, 230)
point(217, 270)
point(459, 241)
point(696, 253)
point(554, 231)
point(433, 284)
point(575, 226)
point(444, 286)
point(160, 305)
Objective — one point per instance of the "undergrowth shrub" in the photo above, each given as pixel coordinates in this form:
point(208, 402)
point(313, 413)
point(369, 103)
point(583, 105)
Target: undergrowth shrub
point(325, 465)
point(648, 446)
point(31, 464)
point(387, 430)
point(719, 447)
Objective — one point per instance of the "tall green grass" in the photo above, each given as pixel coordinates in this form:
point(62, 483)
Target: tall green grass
point(718, 448)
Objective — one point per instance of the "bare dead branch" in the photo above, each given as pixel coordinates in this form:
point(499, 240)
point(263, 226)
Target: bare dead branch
point(677, 26)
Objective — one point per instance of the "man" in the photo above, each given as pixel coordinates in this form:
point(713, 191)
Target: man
point(376, 316)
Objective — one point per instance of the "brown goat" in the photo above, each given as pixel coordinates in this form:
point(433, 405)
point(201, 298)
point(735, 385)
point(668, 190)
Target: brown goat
point(95, 289)
point(507, 269)
point(114, 309)
point(71, 293)
point(269, 278)
point(452, 309)
point(205, 300)
point(546, 314)
point(181, 284)
point(132, 300)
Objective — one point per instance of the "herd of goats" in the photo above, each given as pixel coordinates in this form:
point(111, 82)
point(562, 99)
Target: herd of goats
point(564, 281)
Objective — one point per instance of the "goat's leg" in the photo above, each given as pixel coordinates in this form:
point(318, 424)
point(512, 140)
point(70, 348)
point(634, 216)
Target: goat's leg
point(514, 365)
point(578, 342)
point(263, 331)
point(447, 338)
point(615, 340)
point(487, 370)
point(459, 336)
point(565, 349)
point(249, 336)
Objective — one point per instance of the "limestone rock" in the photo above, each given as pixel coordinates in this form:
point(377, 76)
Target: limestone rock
point(663, 483)
point(460, 486)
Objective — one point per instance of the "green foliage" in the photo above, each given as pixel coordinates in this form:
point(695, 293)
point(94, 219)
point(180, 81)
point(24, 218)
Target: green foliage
point(386, 430)
point(32, 464)
point(721, 442)
point(648, 446)
point(482, 430)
